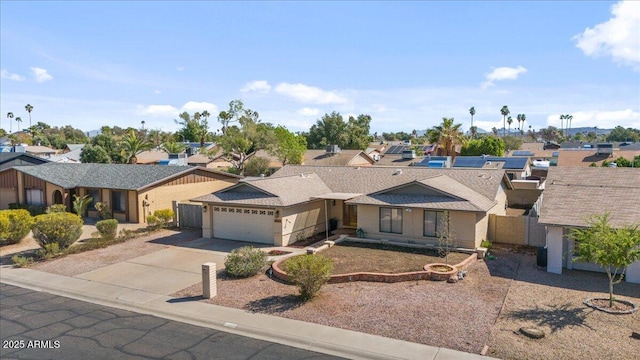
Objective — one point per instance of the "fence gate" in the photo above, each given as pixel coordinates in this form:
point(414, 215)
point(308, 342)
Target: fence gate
point(189, 216)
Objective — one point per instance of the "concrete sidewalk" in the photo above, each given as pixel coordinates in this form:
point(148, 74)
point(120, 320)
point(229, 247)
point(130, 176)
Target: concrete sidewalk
point(309, 336)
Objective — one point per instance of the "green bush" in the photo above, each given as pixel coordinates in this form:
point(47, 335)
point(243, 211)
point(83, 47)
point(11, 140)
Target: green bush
point(21, 261)
point(80, 204)
point(245, 261)
point(56, 208)
point(108, 228)
point(153, 222)
point(14, 225)
point(165, 216)
point(49, 251)
point(309, 273)
point(486, 244)
point(104, 211)
point(62, 228)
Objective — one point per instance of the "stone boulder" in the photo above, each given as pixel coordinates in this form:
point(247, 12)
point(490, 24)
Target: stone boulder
point(533, 333)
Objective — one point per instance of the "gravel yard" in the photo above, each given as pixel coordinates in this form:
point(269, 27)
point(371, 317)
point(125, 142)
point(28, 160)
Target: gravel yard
point(463, 316)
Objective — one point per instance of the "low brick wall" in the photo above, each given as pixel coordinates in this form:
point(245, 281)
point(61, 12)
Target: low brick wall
point(376, 277)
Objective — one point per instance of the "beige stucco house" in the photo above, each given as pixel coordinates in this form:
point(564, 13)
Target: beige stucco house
point(572, 195)
point(400, 204)
point(132, 191)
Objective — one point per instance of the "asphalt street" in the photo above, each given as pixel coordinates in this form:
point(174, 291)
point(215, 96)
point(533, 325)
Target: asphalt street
point(36, 325)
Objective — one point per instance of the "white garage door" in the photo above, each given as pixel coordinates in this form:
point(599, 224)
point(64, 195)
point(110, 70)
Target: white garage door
point(243, 224)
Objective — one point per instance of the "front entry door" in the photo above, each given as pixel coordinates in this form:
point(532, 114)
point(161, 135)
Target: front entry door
point(350, 215)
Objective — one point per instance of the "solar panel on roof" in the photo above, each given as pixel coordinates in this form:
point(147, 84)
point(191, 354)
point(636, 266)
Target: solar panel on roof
point(469, 161)
point(522, 153)
point(510, 162)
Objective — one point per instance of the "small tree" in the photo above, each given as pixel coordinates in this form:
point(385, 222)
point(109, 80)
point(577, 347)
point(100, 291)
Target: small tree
point(612, 248)
point(80, 204)
point(309, 273)
point(446, 237)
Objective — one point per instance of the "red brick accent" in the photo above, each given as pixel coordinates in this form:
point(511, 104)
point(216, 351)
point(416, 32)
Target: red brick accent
point(380, 277)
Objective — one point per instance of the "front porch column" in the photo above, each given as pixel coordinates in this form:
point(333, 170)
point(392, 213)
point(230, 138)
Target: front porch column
point(554, 249)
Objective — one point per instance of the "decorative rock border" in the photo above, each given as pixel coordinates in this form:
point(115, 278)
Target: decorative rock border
point(382, 277)
point(589, 303)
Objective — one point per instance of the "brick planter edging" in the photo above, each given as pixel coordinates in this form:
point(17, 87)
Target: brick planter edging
point(377, 277)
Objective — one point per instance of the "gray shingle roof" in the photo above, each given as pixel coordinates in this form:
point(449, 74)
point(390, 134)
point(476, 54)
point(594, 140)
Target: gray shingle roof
point(283, 191)
point(573, 194)
point(107, 176)
point(369, 179)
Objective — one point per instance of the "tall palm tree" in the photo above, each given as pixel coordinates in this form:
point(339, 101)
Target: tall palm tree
point(132, 143)
point(472, 111)
point(509, 121)
point(142, 123)
point(29, 108)
point(447, 135)
point(569, 118)
point(504, 111)
point(10, 117)
point(519, 117)
point(19, 121)
point(523, 117)
point(562, 117)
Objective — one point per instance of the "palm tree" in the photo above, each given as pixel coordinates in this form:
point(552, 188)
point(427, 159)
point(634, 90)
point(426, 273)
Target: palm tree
point(472, 111)
point(509, 121)
point(132, 143)
point(504, 111)
point(29, 108)
point(562, 117)
point(523, 117)
point(19, 121)
point(474, 131)
point(142, 123)
point(10, 116)
point(447, 135)
point(172, 147)
point(569, 118)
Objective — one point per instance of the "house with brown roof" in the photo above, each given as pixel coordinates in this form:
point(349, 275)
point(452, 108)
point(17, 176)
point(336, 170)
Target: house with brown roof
point(572, 195)
point(132, 191)
point(385, 203)
point(334, 156)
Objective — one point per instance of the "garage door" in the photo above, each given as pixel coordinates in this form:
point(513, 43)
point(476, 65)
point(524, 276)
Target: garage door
point(243, 224)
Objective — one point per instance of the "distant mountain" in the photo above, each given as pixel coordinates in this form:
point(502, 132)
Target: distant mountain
point(586, 130)
point(93, 133)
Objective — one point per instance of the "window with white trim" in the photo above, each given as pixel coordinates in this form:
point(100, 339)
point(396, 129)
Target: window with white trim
point(34, 196)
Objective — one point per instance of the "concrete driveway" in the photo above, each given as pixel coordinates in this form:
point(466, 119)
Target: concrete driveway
point(171, 269)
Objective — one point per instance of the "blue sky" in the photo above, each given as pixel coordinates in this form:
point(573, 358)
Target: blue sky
point(407, 64)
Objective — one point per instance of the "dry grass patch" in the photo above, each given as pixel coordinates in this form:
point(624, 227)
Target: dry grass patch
point(350, 257)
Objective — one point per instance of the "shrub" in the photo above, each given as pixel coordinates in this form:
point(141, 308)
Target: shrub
point(21, 261)
point(80, 204)
point(153, 222)
point(56, 208)
point(165, 216)
point(309, 273)
point(245, 261)
point(14, 225)
point(104, 211)
point(62, 228)
point(49, 251)
point(486, 244)
point(108, 228)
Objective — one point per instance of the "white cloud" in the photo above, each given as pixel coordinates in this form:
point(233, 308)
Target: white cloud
point(7, 75)
point(309, 111)
point(172, 111)
point(503, 73)
point(604, 119)
point(195, 106)
point(258, 86)
point(309, 94)
point(41, 74)
point(158, 110)
point(619, 37)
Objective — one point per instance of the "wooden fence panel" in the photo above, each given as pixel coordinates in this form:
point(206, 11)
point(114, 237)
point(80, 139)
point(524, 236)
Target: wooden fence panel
point(189, 216)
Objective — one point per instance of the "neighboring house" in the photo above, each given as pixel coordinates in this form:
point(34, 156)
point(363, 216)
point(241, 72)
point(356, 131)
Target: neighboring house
point(71, 154)
point(517, 168)
point(586, 157)
point(572, 195)
point(152, 156)
point(10, 159)
point(334, 156)
point(386, 203)
point(132, 191)
point(41, 151)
